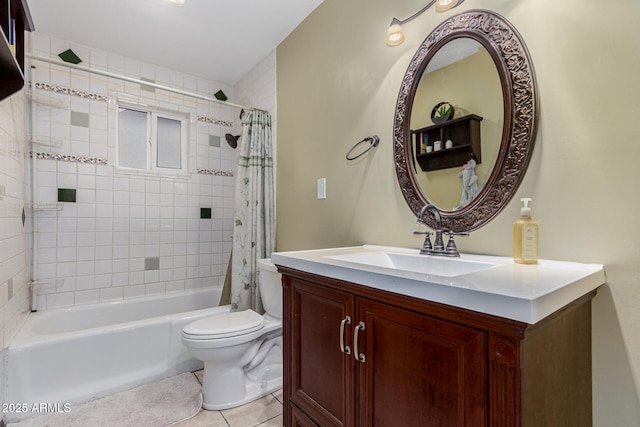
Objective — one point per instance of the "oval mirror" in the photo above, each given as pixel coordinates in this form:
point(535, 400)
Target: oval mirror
point(476, 64)
point(478, 93)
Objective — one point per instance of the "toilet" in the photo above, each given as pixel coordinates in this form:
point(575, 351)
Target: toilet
point(242, 350)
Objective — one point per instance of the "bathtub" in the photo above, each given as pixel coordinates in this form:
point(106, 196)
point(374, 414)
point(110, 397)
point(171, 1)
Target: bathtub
point(77, 354)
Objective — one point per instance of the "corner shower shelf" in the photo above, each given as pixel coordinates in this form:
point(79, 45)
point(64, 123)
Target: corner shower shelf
point(45, 141)
point(45, 284)
point(48, 102)
point(47, 207)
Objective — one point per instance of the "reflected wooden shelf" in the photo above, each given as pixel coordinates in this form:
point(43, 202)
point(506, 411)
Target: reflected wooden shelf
point(464, 132)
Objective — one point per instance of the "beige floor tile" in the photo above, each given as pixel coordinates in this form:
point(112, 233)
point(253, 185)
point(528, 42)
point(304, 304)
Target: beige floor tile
point(199, 374)
point(278, 395)
point(273, 422)
point(253, 413)
point(205, 419)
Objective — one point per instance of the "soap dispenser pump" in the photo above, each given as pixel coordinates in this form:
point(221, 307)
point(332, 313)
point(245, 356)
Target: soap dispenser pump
point(525, 236)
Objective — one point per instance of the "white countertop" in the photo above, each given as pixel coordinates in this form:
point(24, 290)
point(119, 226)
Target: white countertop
point(526, 293)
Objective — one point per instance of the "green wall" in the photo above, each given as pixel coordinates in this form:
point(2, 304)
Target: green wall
point(337, 82)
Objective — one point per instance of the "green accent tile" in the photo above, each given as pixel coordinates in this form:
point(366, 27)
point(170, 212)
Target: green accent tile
point(214, 140)
point(220, 95)
point(66, 195)
point(69, 56)
point(152, 263)
point(205, 213)
point(80, 119)
point(147, 87)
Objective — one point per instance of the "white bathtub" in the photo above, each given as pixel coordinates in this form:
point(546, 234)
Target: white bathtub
point(77, 354)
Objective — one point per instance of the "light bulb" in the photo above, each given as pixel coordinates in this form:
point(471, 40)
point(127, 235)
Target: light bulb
point(395, 35)
point(443, 5)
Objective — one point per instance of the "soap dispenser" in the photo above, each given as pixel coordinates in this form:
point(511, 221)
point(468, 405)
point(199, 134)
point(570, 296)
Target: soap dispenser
point(525, 236)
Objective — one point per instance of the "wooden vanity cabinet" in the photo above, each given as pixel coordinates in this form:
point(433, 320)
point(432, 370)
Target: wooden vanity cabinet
point(299, 419)
point(426, 364)
point(418, 367)
point(322, 376)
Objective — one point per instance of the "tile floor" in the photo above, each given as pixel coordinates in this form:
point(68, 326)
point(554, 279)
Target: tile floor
point(265, 412)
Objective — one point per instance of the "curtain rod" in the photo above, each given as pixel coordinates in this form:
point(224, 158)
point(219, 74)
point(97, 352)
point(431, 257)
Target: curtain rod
point(138, 81)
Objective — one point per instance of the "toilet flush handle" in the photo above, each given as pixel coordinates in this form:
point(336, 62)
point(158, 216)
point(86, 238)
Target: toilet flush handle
point(343, 348)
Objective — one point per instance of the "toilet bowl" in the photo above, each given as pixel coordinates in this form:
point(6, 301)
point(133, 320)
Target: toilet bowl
point(242, 350)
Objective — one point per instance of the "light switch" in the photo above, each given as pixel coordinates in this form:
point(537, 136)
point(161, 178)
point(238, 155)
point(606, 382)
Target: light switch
point(322, 188)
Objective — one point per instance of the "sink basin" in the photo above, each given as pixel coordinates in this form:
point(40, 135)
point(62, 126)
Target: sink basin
point(487, 284)
point(426, 264)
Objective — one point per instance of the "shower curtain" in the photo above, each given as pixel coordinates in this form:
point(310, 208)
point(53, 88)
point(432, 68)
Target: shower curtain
point(254, 209)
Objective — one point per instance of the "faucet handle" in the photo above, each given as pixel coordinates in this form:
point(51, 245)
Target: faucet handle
point(451, 244)
point(457, 233)
point(426, 246)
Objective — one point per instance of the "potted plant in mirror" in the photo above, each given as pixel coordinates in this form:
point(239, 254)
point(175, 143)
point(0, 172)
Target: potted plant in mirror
point(442, 112)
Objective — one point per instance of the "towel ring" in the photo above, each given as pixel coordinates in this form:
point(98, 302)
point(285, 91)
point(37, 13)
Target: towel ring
point(373, 140)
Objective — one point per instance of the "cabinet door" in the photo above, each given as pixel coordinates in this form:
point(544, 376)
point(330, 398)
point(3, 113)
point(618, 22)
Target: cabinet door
point(322, 383)
point(418, 370)
point(299, 419)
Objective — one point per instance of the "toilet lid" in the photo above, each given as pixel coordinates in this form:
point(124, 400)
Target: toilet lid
point(225, 325)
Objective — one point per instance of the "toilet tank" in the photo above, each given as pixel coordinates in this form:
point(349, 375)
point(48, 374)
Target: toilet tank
point(270, 283)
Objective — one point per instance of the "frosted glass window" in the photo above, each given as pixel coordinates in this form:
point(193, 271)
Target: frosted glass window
point(132, 138)
point(169, 143)
point(149, 139)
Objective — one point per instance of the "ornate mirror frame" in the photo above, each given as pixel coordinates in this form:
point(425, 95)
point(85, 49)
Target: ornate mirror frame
point(506, 47)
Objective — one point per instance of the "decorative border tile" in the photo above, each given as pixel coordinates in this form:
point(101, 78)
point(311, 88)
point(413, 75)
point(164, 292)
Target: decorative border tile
point(214, 172)
point(103, 98)
point(70, 158)
point(99, 161)
point(70, 91)
point(214, 121)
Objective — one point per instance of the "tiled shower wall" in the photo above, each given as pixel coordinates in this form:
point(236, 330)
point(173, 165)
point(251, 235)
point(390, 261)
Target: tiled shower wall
point(126, 235)
point(14, 234)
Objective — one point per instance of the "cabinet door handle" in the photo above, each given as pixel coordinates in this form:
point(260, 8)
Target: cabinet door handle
point(343, 348)
point(359, 356)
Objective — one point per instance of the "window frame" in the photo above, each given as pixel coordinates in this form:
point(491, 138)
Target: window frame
point(152, 115)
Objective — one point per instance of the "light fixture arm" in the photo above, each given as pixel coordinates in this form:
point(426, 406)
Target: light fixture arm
point(395, 35)
point(415, 15)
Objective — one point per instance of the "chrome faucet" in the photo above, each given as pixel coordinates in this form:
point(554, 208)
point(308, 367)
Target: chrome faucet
point(438, 245)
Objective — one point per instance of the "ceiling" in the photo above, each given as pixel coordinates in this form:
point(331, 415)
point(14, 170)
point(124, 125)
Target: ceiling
point(220, 40)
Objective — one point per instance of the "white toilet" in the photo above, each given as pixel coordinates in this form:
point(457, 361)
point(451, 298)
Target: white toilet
point(242, 350)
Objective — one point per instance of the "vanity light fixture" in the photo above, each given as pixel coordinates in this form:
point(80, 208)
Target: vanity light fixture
point(178, 3)
point(395, 36)
point(444, 5)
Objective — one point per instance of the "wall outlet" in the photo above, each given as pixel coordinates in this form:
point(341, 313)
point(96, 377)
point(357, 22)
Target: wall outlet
point(322, 188)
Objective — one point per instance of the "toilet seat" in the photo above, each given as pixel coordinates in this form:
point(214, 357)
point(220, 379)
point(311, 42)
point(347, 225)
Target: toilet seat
point(224, 325)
